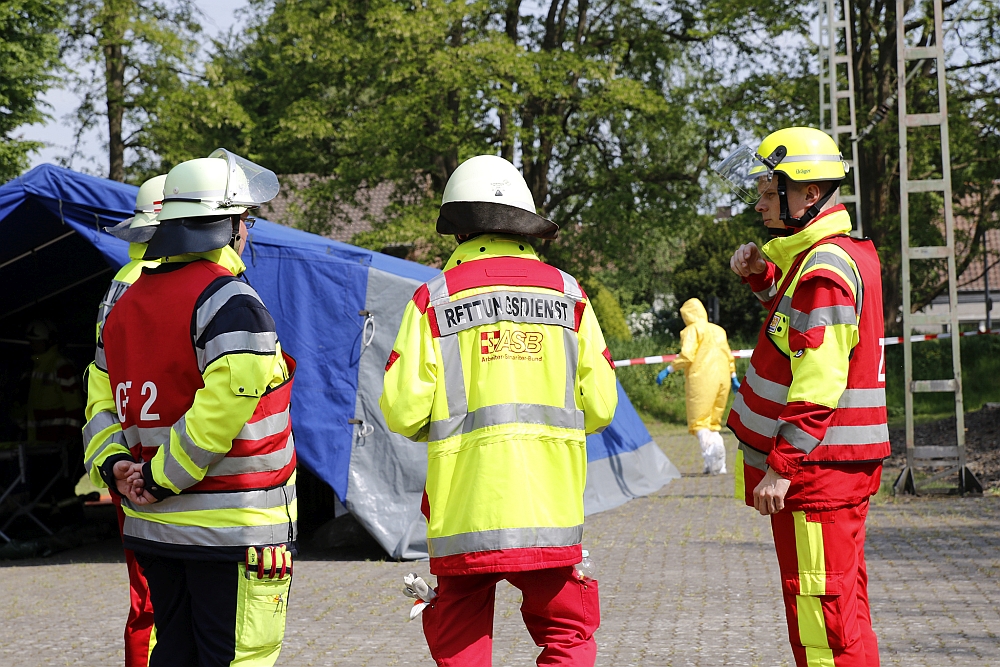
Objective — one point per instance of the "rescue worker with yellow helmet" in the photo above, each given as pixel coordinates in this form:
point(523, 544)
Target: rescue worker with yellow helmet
point(709, 370)
point(501, 367)
point(137, 230)
point(197, 437)
point(810, 415)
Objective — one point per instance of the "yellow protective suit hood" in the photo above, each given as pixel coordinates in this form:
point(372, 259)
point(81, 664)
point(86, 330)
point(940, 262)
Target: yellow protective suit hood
point(707, 363)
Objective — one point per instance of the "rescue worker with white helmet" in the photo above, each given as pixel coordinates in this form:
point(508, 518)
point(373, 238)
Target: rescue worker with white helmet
point(810, 415)
point(207, 466)
point(137, 230)
point(501, 367)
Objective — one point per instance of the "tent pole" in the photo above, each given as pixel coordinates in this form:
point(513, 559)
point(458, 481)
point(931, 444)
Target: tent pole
point(37, 248)
point(58, 291)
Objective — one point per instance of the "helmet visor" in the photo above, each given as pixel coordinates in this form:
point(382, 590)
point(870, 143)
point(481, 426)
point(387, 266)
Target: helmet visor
point(740, 170)
point(248, 184)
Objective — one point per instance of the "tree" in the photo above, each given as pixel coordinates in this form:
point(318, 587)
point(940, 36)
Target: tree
point(973, 97)
point(29, 51)
point(132, 54)
point(610, 108)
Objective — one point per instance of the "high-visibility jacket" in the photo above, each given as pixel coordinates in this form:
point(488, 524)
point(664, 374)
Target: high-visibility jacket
point(208, 413)
point(501, 366)
point(54, 399)
point(815, 389)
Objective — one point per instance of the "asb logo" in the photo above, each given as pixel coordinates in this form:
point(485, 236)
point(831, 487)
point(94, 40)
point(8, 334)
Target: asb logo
point(516, 342)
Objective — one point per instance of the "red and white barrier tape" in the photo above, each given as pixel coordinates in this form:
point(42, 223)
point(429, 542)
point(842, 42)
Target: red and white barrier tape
point(745, 354)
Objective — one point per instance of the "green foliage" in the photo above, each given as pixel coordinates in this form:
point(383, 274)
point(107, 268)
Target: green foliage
point(932, 361)
point(608, 311)
point(29, 52)
point(704, 271)
point(612, 112)
point(132, 57)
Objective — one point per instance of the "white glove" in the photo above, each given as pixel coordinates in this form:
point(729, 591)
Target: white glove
point(415, 587)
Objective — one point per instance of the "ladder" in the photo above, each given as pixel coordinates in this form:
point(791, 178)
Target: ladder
point(834, 32)
point(951, 457)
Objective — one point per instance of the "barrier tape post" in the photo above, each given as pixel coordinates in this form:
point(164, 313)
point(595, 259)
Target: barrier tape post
point(745, 354)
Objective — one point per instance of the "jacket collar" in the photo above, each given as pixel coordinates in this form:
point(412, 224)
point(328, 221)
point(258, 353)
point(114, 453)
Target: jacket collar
point(225, 257)
point(486, 246)
point(783, 250)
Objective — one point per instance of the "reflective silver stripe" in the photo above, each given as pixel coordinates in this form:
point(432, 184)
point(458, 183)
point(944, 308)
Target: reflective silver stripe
point(766, 389)
point(784, 306)
point(228, 536)
point(766, 295)
point(506, 413)
point(759, 424)
point(174, 471)
point(454, 376)
point(214, 304)
point(862, 398)
point(753, 458)
point(822, 317)
point(196, 194)
point(233, 342)
point(437, 288)
point(873, 434)
point(242, 465)
point(265, 427)
point(116, 438)
point(101, 358)
point(504, 306)
point(200, 457)
point(504, 538)
point(154, 436)
point(836, 261)
point(572, 345)
point(571, 287)
point(813, 158)
point(98, 423)
point(235, 500)
point(796, 437)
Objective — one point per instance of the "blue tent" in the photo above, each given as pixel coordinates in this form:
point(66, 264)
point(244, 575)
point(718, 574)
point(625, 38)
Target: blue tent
point(337, 309)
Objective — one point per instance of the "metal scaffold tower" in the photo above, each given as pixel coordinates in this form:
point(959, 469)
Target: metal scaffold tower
point(952, 457)
point(834, 34)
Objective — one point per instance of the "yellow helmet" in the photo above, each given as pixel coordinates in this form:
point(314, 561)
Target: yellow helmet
point(803, 154)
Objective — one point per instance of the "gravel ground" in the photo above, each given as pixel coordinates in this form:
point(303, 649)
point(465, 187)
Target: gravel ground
point(688, 578)
point(982, 444)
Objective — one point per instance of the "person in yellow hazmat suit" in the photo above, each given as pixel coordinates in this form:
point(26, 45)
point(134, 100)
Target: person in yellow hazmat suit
point(709, 371)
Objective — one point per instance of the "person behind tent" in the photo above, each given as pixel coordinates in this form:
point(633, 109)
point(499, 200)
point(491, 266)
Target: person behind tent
point(709, 370)
point(811, 414)
point(54, 405)
point(501, 367)
point(137, 230)
point(209, 501)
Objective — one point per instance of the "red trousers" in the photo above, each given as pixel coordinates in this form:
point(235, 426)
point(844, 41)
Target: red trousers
point(821, 557)
point(560, 611)
point(139, 625)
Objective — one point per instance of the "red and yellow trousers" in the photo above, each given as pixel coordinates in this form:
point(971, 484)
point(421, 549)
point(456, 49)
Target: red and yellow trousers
point(561, 612)
point(821, 557)
point(140, 635)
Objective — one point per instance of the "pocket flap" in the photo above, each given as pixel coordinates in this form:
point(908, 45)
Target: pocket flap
point(813, 583)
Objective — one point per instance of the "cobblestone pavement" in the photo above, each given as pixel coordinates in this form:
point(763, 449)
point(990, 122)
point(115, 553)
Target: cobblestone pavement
point(688, 578)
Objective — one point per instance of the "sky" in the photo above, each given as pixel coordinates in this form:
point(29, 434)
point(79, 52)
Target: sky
point(217, 17)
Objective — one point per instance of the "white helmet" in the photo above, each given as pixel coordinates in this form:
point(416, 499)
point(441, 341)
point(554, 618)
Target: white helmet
point(40, 330)
point(140, 227)
point(488, 194)
point(202, 197)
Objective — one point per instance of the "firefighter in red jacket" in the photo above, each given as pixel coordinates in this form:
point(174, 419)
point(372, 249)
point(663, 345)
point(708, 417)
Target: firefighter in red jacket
point(196, 437)
point(810, 416)
point(501, 367)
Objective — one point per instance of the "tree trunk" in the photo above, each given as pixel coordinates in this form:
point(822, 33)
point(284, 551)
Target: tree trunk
point(114, 67)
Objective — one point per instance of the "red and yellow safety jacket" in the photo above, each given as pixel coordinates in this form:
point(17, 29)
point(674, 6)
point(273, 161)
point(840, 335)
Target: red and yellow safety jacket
point(208, 412)
point(501, 367)
point(812, 406)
